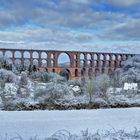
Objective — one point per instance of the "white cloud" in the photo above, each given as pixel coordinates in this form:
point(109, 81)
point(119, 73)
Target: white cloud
point(67, 24)
point(11, 42)
point(128, 30)
point(124, 3)
point(82, 1)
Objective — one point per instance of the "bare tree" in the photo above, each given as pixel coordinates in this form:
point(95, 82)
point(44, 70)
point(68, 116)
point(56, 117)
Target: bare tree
point(91, 89)
point(103, 83)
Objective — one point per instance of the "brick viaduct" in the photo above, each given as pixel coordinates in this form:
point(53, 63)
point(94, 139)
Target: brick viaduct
point(87, 64)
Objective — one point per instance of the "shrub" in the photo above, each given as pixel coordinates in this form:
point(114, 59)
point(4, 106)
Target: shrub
point(75, 82)
point(52, 92)
point(23, 79)
point(8, 76)
point(103, 82)
point(91, 89)
point(45, 77)
point(130, 71)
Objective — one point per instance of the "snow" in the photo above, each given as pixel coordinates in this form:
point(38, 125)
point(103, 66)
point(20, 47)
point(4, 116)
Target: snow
point(75, 88)
point(11, 88)
point(111, 90)
point(130, 86)
point(45, 123)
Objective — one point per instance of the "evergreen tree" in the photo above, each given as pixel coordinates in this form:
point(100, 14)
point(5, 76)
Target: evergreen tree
point(30, 69)
point(34, 68)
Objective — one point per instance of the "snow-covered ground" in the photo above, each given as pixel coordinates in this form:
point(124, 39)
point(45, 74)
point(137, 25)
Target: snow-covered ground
point(45, 123)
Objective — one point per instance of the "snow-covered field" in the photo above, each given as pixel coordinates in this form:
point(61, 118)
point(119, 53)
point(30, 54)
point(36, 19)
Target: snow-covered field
point(45, 123)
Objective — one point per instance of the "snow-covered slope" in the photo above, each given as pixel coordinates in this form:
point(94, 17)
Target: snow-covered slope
point(45, 123)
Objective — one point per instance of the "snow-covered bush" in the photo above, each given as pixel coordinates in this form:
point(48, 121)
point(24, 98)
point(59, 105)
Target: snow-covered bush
point(83, 135)
point(75, 82)
point(57, 79)
point(14, 88)
point(11, 88)
point(8, 76)
point(45, 77)
point(86, 135)
point(115, 79)
point(53, 92)
point(23, 79)
point(2, 84)
point(103, 82)
point(130, 71)
point(7, 99)
point(91, 89)
point(35, 75)
point(79, 83)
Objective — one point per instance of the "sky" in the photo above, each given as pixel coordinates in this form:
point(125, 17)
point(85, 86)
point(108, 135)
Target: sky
point(83, 25)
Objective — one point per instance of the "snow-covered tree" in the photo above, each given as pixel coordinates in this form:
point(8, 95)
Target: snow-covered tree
point(103, 82)
point(91, 89)
point(23, 79)
point(8, 76)
point(130, 71)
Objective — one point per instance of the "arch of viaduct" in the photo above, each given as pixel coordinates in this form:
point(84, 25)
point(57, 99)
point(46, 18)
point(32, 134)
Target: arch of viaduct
point(81, 63)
